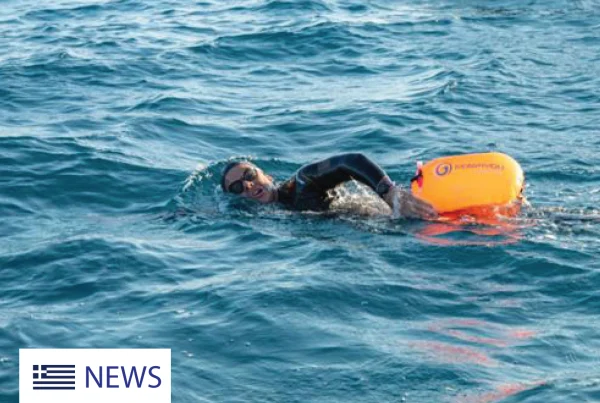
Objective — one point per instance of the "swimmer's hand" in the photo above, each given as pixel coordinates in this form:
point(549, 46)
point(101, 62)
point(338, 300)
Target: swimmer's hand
point(408, 206)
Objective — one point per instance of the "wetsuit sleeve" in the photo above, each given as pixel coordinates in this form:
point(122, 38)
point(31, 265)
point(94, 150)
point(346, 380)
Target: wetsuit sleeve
point(330, 172)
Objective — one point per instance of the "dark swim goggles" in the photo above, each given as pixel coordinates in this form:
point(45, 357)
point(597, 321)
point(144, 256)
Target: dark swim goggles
point(237, 187)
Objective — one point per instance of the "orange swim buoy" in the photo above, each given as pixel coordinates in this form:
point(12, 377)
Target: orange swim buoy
point(481, 185)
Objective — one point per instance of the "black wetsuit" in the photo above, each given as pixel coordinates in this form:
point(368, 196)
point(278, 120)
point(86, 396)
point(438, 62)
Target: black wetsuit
point(308, 188)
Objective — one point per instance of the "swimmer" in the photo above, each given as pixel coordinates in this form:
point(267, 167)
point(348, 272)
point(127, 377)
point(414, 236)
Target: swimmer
point(308, 188)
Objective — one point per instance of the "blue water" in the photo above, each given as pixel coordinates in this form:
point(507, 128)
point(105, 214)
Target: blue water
point(117, 115)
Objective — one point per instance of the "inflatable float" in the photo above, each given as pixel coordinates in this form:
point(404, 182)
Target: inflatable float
point(482, 186)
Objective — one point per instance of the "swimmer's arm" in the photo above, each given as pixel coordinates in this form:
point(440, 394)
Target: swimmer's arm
point(330, 172)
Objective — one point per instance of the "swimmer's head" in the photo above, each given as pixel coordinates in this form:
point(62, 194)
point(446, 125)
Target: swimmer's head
point(247, 180)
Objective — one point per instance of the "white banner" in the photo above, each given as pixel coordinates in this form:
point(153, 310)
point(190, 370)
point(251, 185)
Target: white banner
point(94, 375)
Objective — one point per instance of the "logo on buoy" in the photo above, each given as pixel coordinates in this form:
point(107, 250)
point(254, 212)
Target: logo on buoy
point(443, 169)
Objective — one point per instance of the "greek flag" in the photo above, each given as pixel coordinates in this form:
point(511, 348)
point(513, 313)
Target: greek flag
point(54, 377)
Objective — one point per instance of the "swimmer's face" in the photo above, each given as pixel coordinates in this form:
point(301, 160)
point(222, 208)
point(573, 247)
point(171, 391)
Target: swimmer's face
point(249, 181)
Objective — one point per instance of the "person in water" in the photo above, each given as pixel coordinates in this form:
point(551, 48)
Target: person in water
point(309, 188)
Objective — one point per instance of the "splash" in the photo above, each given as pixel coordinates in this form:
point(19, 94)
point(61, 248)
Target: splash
point(355, 198)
